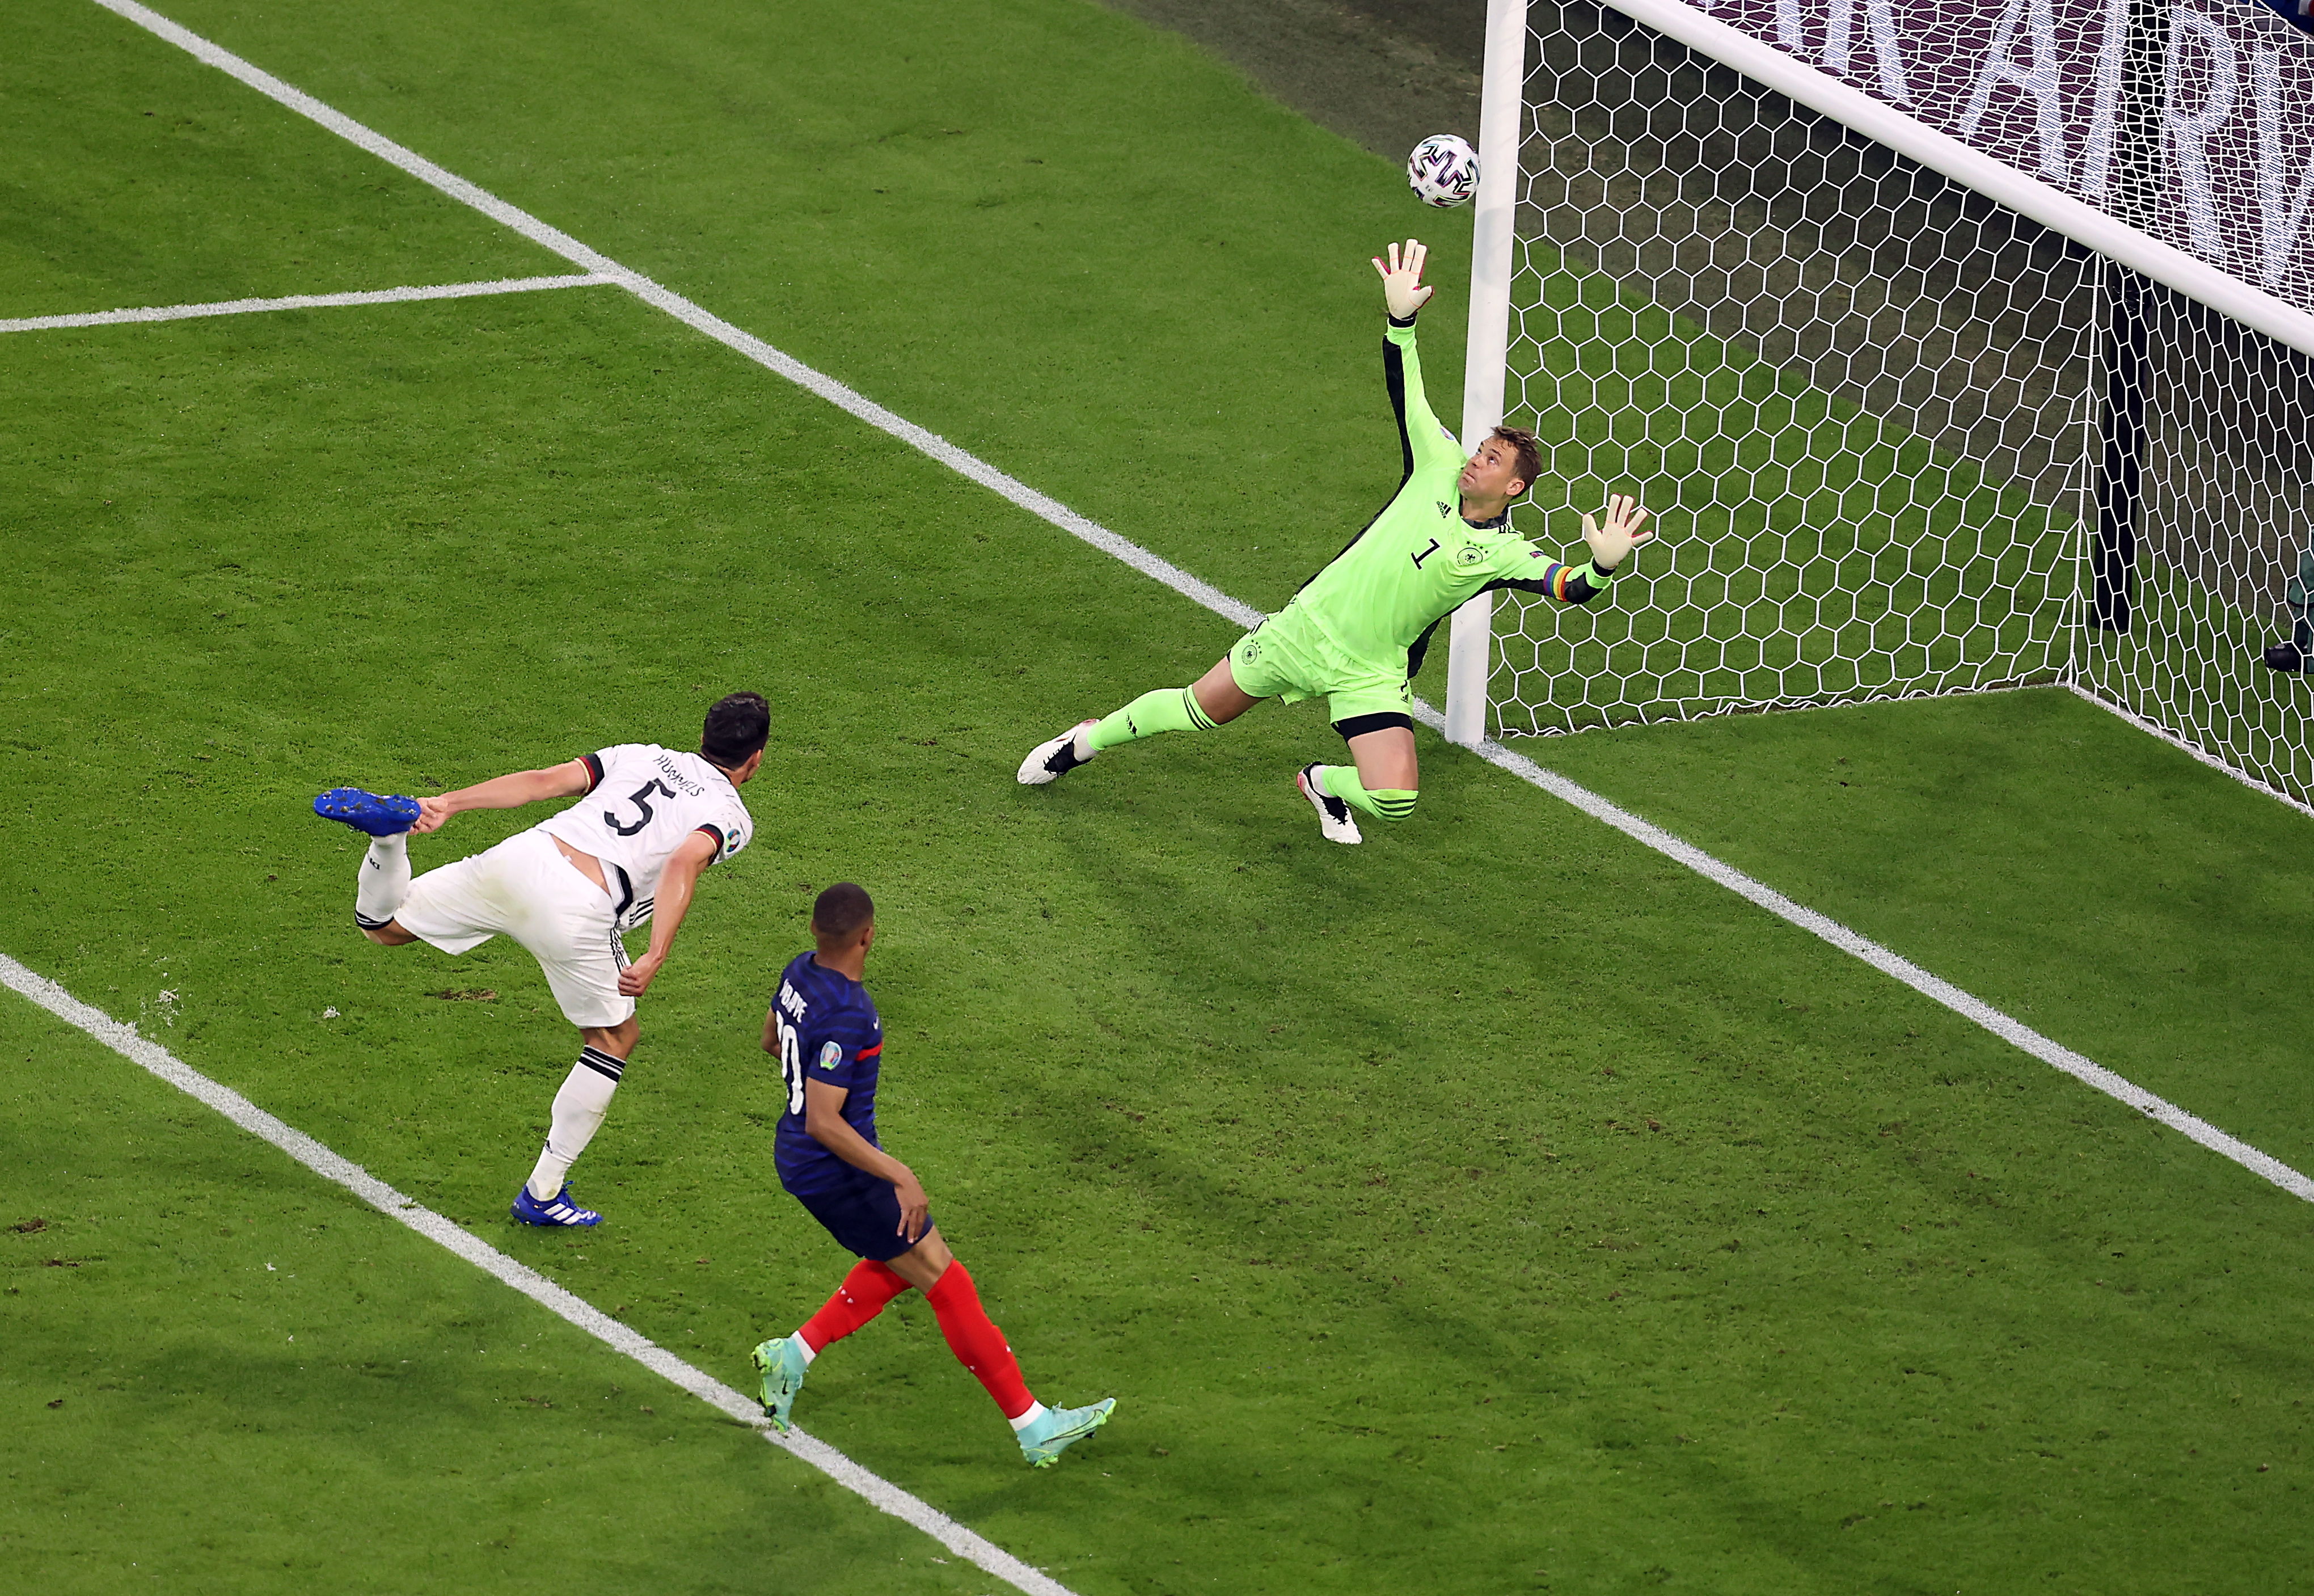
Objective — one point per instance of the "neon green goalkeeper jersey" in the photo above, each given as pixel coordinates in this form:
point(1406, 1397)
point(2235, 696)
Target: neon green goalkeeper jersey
point(1419, 561)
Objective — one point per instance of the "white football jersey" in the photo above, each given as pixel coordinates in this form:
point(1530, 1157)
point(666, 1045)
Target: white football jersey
point(643, 802)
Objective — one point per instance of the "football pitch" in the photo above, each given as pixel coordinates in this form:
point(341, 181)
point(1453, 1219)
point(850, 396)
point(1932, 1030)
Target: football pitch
point(1499, 1206)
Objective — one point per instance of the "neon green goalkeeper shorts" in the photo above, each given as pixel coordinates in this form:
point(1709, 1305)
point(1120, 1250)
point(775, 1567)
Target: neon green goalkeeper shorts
point(1287, 657)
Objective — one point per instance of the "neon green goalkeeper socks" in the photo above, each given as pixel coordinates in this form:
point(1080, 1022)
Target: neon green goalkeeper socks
point(1169, 709)
point(1383, 803)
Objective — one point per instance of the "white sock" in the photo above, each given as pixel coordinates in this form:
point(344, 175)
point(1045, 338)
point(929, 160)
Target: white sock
point(385, 880)
point(1035, 1411)
point(1082, 743)
point(578, 1110)
point(803, 1346)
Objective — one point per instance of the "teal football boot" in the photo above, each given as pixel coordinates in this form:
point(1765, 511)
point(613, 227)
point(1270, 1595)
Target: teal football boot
point(781, 1363)
point(1057, 1429)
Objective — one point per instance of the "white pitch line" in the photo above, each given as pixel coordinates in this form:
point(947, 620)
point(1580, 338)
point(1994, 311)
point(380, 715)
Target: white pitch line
point(683, 310)
point(2012, 1031)
point(1943, 991)
point(304, 301)
point(2162, 732)
point(124, 1040)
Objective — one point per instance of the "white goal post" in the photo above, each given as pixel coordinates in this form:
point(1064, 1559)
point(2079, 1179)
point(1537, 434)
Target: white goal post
point(1502, 117)
point(1919, 420)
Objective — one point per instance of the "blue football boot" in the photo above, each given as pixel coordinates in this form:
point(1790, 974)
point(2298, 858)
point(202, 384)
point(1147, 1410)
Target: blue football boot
point(1057, 1429)
point(558, 1211)
point(367, 811)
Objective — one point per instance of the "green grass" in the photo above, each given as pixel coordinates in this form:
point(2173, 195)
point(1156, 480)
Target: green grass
point(2036, 851)
point(1495, 1207)
point(222, 1370)
point(1040, 228)
point(137, 177)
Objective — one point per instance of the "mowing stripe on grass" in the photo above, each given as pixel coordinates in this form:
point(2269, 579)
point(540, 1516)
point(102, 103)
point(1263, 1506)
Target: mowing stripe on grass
point(1968, 1007)
point(691, 315)
point(304, 301)
point(124, 1040)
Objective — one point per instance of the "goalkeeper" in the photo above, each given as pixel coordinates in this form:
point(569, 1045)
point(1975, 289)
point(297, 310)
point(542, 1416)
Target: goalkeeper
point(1357, 631)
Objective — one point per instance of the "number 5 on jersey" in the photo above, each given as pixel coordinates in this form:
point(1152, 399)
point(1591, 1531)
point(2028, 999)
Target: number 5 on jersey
point(643, 801)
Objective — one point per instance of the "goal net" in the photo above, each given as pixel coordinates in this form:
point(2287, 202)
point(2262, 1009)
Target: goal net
point(2033, 414)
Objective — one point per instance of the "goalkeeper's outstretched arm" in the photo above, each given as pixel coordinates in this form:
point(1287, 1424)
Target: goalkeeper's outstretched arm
point(1421, 439)
point(1520, 567)
point(1610, 534)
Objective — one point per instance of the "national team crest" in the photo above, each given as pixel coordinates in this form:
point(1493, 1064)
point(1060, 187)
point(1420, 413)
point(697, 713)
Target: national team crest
point(1468, 554)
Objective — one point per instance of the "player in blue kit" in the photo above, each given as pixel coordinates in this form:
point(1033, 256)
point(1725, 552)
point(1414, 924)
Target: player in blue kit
point(823, 1030)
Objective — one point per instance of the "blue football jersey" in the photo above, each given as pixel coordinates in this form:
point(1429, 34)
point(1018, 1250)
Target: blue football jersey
point(828, 1031)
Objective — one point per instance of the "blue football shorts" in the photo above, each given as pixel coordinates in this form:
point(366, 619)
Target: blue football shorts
point(864, 1218)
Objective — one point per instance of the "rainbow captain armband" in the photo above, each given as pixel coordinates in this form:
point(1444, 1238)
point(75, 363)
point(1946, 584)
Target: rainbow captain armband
point(1556, 578)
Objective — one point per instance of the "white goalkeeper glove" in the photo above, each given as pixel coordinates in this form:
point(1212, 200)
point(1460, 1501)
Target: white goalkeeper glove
point(1402, 288)
point(1613, 540)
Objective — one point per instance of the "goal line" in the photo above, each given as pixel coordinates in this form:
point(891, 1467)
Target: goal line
point(303, 301)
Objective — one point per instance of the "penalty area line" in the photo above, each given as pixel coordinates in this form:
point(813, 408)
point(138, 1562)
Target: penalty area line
point(124, 1040)
point(2008, 1028)
point(306, 301)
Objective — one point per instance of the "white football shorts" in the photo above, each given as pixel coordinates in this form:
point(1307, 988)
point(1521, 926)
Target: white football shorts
point(524, 889)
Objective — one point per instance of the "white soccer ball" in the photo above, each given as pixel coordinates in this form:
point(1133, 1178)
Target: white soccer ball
point(1443, 170)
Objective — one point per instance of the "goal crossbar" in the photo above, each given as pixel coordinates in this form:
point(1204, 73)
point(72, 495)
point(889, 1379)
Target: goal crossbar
point(1506, 123)
point(1996, 180)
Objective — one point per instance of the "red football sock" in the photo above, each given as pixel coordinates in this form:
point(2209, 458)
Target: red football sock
point(861, 1297)
point(979, 1344)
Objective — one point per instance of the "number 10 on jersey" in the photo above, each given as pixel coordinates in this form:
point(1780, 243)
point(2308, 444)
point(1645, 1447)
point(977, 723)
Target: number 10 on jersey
point(791, 1063)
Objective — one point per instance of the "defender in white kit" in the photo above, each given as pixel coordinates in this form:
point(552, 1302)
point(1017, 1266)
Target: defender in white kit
point(650, 821)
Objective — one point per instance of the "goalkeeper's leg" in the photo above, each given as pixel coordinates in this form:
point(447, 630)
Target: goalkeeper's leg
point(1213, 698)
point(1383, 803)
point(1384, 782)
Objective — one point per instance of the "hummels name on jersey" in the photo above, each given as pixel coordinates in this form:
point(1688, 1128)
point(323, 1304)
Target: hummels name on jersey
point(673, 773)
